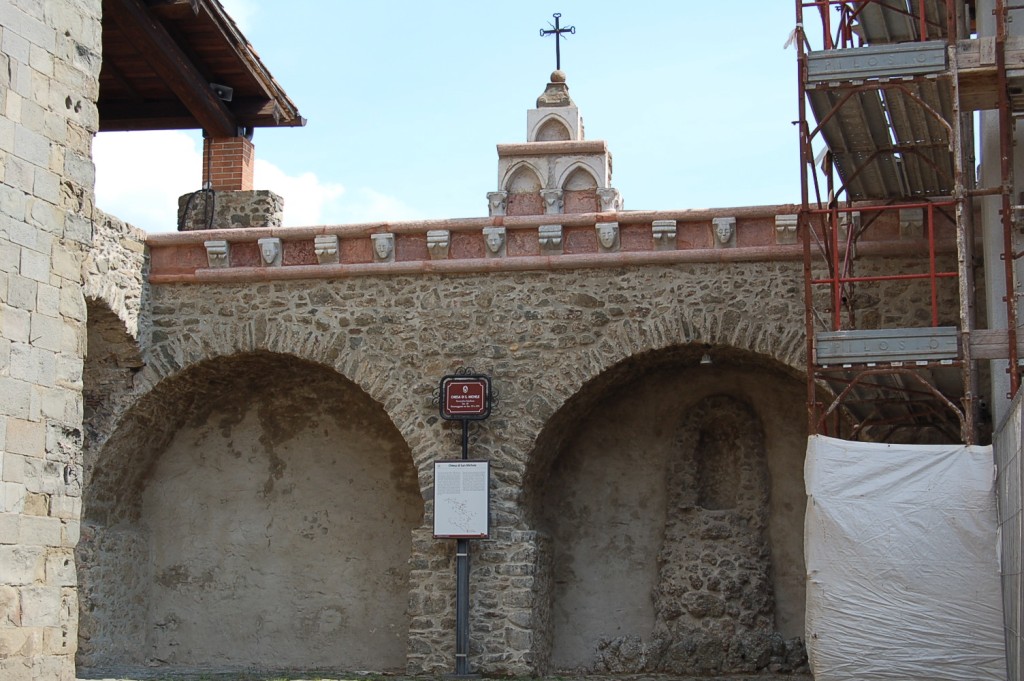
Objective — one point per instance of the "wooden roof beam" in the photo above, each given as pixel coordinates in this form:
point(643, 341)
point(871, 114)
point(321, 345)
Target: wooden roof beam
point(137, 115)
point(169, 61)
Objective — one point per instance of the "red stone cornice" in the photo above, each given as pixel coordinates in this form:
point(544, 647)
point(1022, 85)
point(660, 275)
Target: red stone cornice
point(180, 257)
point(558, 147)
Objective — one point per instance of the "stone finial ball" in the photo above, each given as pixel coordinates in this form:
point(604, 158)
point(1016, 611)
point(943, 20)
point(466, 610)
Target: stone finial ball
point(558, 76)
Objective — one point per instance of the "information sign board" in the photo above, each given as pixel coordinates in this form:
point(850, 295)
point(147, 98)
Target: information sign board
point(465, 397)
point(461, 494)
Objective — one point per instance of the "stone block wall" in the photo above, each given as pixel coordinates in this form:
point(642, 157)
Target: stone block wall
point(49, 68)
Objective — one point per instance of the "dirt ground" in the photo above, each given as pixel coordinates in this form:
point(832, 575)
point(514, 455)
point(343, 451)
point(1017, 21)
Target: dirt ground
point(328, 675)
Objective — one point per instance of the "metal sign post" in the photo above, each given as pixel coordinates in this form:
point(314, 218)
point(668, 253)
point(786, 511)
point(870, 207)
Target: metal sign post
point(463, 398)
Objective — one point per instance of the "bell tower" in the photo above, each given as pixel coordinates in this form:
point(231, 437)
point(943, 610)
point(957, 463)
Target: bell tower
point(556, 171)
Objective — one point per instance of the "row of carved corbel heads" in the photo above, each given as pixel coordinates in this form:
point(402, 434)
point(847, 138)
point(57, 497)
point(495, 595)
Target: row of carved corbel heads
point(550, 238)
point(609, 198)
point(326, 247)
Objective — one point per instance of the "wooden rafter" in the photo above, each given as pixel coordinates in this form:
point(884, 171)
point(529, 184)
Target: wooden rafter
point(167, 59)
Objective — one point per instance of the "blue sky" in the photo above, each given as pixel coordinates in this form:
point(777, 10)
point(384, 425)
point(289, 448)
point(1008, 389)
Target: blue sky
point(407, 100)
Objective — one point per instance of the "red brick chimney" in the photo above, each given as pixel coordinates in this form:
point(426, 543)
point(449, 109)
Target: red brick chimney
point(228, 163)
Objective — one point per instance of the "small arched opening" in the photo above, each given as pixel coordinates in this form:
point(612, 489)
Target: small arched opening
point(523, 187)
point(580, 191)
point(553, 130)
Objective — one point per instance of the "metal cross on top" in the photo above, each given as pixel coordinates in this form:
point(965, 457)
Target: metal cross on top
point(557, 31)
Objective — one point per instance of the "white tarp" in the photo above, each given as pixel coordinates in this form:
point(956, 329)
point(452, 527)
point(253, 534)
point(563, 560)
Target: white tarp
point(902, 566)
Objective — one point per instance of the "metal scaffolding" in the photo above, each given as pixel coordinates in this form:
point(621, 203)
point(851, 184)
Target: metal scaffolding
point(892, 86)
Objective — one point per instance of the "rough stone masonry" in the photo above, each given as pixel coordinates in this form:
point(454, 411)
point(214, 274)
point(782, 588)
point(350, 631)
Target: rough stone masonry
point(249, 450)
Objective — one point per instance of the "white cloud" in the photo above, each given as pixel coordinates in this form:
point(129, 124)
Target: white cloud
point(140, 175)
point(307, 200)
point(367, 205)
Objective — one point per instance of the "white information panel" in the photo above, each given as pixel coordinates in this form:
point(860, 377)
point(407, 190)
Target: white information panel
point(461, 493)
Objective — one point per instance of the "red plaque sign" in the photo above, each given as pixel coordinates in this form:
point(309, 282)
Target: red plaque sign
point(465, 397)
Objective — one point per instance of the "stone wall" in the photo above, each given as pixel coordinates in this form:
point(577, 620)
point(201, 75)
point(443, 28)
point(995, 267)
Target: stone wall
point(49, 67)
point(542, 336)
point(114, 270)
point(206, 209)
point(667, 554)
point(113, 275)
point(565, 350)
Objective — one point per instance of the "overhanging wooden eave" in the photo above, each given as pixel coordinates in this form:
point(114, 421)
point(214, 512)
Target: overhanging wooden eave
point(161, 59)
point(171, 64)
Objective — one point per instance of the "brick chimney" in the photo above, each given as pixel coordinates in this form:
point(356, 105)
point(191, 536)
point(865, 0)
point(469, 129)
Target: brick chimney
point(228, 163)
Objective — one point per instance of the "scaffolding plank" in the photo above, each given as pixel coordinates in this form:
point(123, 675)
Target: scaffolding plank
point(858, 136)
point(877, 61)
point(898, 21)
point(863, 346)
point(927, 157)
point(881, 23)
point(994, 344)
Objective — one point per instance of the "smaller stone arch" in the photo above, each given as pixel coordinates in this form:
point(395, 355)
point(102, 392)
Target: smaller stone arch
point(523, 183)
point(579, 185)
point(523, 178)
point(113, 268)
point(552, 129)
point(579, 177)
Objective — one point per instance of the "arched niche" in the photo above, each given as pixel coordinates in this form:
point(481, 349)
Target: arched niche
point(253, 511)
point(714, 567)
point(523, 187)
point(580, 191)
point(553, 130)
point(610, 477)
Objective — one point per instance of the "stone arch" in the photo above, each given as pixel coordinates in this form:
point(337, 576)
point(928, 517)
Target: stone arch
point(121, 303)
point(722, 332)
point(523, 183)
point(214, 505)
point(552, 129)
point(112, 359)
point(579, 185)
point(113, 268)
point(596, 493)
point(523, 178)
point(578, 177)
point(170, 354)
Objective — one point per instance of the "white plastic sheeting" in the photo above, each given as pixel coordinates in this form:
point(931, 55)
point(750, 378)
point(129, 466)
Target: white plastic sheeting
point(902, 566)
